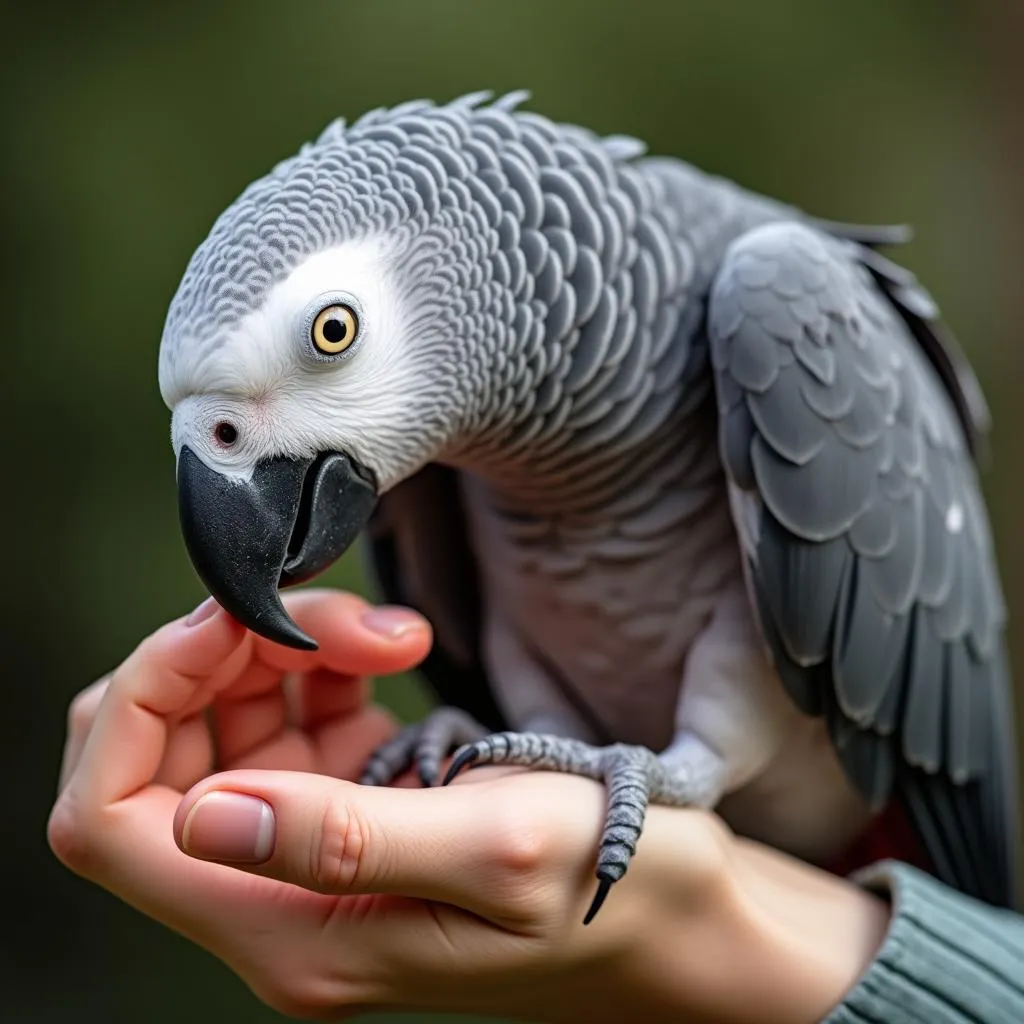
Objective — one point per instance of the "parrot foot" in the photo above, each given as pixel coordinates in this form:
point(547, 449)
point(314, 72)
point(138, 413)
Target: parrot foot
point(423, 745)
point(688, 776)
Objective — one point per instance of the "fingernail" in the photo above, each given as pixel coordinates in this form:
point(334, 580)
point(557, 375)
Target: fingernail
point(230, 827)
point(205, 611)
point(391, 621)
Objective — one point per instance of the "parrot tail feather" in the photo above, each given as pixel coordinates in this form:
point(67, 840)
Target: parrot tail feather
point(890, 836)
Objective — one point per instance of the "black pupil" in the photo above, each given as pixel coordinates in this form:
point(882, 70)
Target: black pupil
point(335, 331)
point(226, 433)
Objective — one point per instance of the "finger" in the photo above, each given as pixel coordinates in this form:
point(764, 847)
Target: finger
point(254, 736)
point(463, 844)
point(323, 694)
point(135, 857)
point(248, 713)
point(189, 755)
point(260, 706)
point(188, 758)
point(275, 935)
point(81, 715)
point(156, 682)
point(344, 744)
point(355, 638)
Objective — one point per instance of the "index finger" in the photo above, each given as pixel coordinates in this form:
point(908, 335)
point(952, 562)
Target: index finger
point(156, 682)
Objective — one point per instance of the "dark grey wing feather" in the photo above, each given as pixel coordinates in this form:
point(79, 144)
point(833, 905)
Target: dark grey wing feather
point(847, 444)
point(419, 554)
point(921, 315)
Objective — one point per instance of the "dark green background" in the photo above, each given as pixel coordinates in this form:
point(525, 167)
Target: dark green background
point(127, 127)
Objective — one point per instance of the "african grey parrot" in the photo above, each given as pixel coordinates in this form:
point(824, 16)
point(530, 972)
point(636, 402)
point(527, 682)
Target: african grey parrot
point(683, 477)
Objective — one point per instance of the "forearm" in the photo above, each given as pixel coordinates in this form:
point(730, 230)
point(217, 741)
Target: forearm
point(774, 942)
point(780, 942)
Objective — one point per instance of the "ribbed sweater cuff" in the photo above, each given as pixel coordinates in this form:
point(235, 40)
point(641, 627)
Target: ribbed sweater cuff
point(947, 959)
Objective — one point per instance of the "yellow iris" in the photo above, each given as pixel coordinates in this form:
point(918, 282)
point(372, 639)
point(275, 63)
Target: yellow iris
point(334, 329)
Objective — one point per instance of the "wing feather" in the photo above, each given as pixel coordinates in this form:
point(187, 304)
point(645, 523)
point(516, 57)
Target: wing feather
point(849, 419)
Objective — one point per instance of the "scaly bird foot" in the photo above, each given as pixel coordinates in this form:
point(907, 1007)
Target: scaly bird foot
point(423, 746)
point(689, 774)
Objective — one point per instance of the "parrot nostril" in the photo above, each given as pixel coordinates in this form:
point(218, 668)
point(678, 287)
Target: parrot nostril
point(226, 433)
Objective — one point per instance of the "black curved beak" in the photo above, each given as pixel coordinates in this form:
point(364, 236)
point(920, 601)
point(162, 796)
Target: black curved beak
point(285, 525)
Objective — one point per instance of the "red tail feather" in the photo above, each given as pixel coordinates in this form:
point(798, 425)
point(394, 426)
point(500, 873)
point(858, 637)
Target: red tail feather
point(890, 836)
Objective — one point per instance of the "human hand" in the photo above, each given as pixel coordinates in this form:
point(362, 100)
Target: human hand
point(466, 899)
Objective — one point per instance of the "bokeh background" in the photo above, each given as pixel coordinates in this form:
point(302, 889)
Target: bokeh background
point(127, 127)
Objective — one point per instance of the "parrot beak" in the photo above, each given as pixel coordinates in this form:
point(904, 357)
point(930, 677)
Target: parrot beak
point(284, 526)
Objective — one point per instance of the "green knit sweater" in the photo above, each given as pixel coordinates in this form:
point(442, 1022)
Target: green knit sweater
point(947, 959)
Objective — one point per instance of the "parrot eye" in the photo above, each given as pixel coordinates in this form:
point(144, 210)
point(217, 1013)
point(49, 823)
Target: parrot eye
point(334, 329)
point(227, 433)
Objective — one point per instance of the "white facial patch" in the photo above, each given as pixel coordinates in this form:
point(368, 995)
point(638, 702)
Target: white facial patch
point(264, 379)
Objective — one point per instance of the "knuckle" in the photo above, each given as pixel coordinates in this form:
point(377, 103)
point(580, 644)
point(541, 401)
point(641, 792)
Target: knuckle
point(303, 995)
point(83, 708)
point(69, 837)
point(340, 850)
point(284, 997)
point(522, 843)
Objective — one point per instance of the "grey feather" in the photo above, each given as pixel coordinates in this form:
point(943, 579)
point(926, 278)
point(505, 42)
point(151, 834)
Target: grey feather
point(869, 450)
point(790, 569)
point(600, 309)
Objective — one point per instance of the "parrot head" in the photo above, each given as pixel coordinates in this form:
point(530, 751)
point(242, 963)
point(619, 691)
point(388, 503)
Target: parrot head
point(340, 327)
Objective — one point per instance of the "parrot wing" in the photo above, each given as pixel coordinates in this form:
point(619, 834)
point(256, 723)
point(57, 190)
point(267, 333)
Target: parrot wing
point(419, 554)
point(846, 421)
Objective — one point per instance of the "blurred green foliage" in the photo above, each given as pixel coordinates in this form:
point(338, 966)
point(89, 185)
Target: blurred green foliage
point(128, 127)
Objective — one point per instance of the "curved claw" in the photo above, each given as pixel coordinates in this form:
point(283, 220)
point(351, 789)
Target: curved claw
point(465, 756)
point(604, 886)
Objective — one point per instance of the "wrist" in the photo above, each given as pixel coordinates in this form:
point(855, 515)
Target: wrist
point(809, 934)
point(760, 937)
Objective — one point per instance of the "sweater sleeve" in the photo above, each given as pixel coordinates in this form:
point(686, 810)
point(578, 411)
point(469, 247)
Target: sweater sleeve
point(947, 959)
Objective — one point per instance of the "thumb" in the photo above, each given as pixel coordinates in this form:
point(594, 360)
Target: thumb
point(464, 845)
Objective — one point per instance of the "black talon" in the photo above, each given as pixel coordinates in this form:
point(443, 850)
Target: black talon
point(427, 777)
point(604, 886)
point(468, 756)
